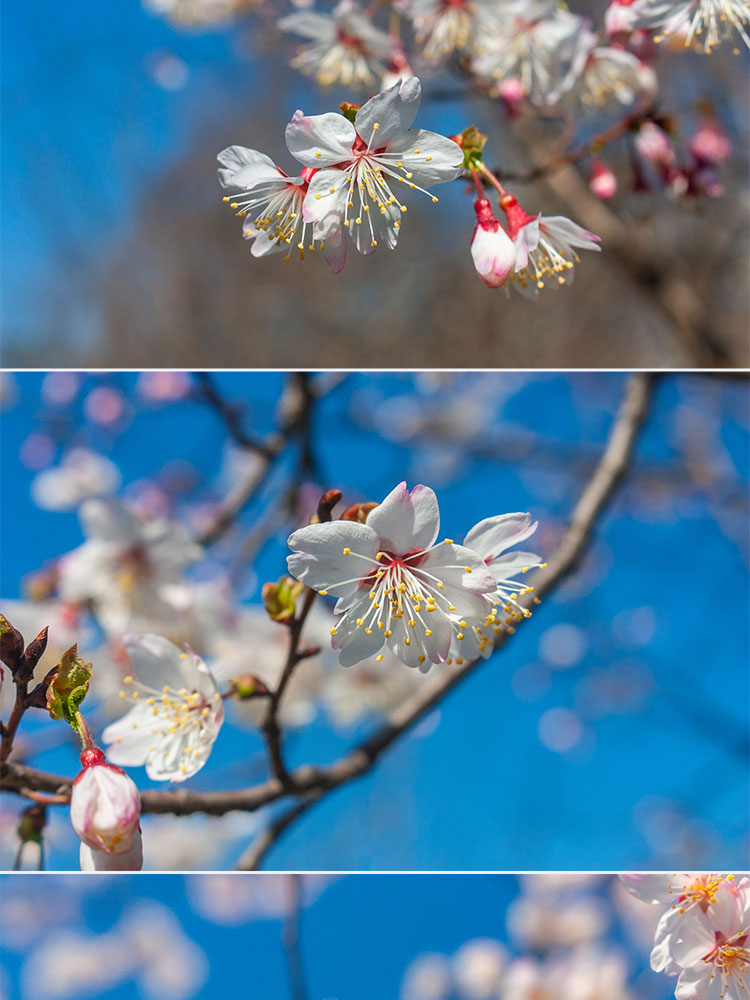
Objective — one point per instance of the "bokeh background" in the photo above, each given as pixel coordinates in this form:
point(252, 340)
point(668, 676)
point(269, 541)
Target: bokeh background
point(360, 937)
point(610, 733)
point(117, 250)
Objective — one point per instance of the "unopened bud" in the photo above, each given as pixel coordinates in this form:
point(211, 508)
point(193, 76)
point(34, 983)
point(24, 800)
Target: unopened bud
point(67, 684)
point(31, 824)
point(602, 180)
point(105, 806)
point(11, 644)
point(359, 512)
point(325, 506)
point(472, 141)
point(349, 110)
point(279, 598)
point(246, 686)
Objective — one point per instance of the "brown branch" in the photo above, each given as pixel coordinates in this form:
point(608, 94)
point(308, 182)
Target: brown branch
point(271, 726)
point(313, 782)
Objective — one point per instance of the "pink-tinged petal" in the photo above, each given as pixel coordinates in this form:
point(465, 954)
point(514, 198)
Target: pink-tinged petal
point(560, 227)
point(320, 140)
point(494, 255)
point(725, 914)
point(649, 888)
point(241, 168)
point(335, 249)
point(694, 984)
point(694, 939)
point(661, 955)
point(526, 240)
point(318, 557)
point(494, 535)
point(393, 111)
point(406, 521)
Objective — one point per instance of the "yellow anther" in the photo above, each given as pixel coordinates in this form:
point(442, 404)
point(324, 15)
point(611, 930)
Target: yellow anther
point(347, 552)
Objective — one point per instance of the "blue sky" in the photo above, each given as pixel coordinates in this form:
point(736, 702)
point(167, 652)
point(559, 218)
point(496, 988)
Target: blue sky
point(357, 936)
point(659, 611)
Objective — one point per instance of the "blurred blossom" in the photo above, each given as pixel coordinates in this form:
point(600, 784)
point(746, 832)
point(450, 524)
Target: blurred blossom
point(563, 645)
point(619, 689)
point(542, 922)
point(168, 71)
point(163, 387)
point(147, 946)
point(427, 978)
point(229, 900)
point(635, 626)
point(196, 843)
point(60, 388)
point(560, 730)
point(38, 451)
point(81, 474)
point(105, 406)
point(478, 969)
point(531, 681)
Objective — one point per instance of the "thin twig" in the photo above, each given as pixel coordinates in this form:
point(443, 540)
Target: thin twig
point(298, 990)
point(254, 856)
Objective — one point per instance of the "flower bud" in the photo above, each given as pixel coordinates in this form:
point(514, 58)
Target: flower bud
point(710, 144)
point(602, 181)
point(102, 861)
point(245, 686)
point(279, 598)
point(359, 512)
point(653, 145)
point(492, 250)
point(105, 807)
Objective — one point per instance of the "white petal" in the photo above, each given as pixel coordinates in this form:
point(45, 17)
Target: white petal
point(318, 554)
point(494, 535)
point(325, 201)
point(108, 521)
point(242, 168)
point(507, 566)
point(330, 135)
point(310, 24)
point(439, 159)
point(393, 110)
point(406, 521)
point(156, 661)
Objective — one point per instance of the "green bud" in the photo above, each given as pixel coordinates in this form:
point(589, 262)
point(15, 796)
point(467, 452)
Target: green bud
point(67, 687)
point(349, 110)
point(472, 141)
point(279, 598)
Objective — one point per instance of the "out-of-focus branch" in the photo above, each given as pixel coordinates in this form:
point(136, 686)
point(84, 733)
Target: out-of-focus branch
point(296, 406)
point(254, 856)
point(312, 783)
point(291, 936)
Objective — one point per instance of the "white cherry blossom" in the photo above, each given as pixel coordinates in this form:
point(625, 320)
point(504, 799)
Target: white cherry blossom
point(706, 21)
point(270, 204)
point(395, 587)
point(364, 162)
point(176, 715)
point(127, 567)
point(345, 47)
point(442, 27)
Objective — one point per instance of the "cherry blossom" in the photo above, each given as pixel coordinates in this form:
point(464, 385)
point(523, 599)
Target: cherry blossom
point(446, 26)
point(395, 587)
point(708, 21)
point(176, 715)
point(345, 47)
point(362, 162)
point(545, 247)
point(270, 205)
point(128, 567)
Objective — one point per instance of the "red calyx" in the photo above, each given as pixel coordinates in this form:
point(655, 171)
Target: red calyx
point(92, 757)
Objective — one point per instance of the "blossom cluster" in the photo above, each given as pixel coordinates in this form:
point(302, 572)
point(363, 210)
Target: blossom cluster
point(703, 931)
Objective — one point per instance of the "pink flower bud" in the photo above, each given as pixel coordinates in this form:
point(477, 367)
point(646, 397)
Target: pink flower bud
point(710, 143)
point(105, 807)
point(512, 93)
point(491, 248)
point(602, 180)
point(102, 861)
point(653, 145)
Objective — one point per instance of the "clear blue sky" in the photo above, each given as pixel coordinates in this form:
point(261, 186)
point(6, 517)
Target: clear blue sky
point(661, 767)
